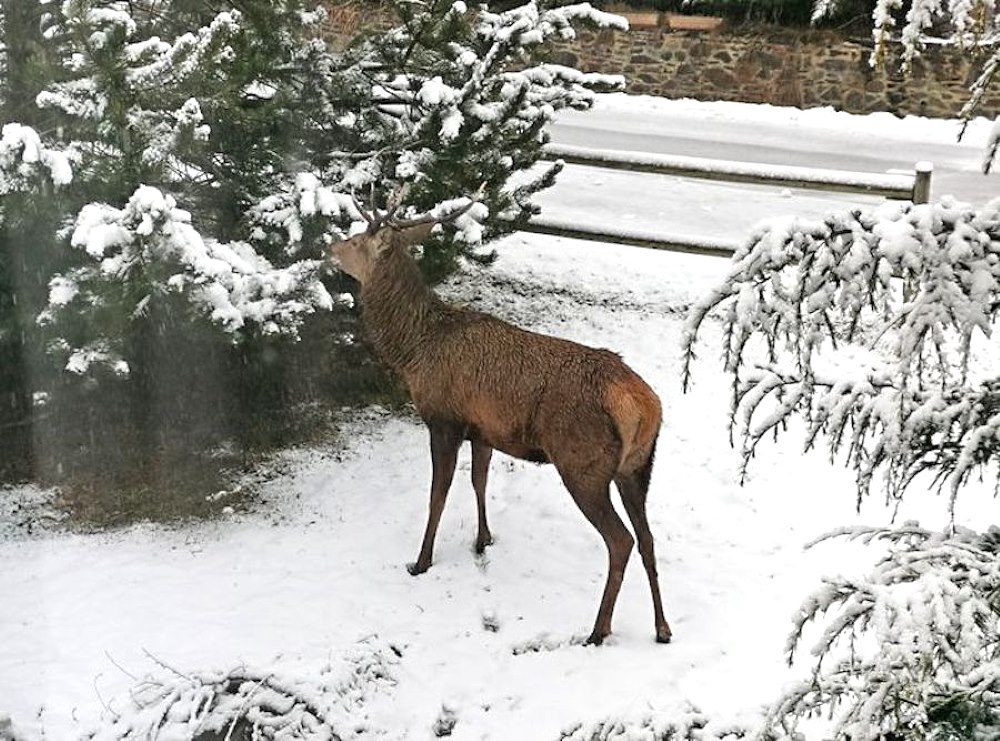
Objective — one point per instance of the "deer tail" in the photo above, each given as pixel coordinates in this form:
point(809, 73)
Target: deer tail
point(635, 409)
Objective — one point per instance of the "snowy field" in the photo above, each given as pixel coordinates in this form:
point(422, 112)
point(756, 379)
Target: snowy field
point(317, 579)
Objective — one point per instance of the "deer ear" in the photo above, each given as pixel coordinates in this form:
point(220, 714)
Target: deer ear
point(410, 235)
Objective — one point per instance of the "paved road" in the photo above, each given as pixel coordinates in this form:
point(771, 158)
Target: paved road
point(696, 209)
point(809, 142)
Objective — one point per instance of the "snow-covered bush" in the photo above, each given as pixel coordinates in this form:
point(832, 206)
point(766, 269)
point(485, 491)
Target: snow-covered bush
point(876, 328)
point(687, 725)
point(909, 652)
point(26, 164)
point(150, 249)
point(323, 704)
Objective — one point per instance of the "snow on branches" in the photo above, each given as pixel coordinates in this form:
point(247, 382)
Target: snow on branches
point(268, 136)
point(257, 703)
point(100, 35)
point(150, 249)
point(911, 651)
point(973, 26)
point(453, 84)
point(686, 725)
point(970, 23)
point(875, 328)
point(24, 158)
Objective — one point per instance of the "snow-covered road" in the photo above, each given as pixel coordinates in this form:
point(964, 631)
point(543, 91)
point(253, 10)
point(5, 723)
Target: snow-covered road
point(820, 138)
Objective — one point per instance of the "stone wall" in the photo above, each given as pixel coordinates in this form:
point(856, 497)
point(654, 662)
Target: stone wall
point(778, 66)
point(766, 65)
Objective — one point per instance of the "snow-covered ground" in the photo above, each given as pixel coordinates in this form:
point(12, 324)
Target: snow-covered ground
point(320, 572)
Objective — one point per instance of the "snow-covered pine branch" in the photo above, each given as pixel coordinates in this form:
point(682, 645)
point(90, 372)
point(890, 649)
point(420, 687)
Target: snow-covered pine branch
point(115, 54)
point(451, 85)
point(24, 159)
point(686, 725)
point(148, 250)
point(911, 651)
point(876, 328)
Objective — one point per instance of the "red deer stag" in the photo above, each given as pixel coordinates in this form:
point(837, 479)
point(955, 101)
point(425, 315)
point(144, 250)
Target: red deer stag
point(544, 399)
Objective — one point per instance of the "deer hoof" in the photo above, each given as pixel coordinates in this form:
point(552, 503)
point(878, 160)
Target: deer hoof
point(663, 633)
point(416, 569)
point(481, 545)
point(595, 639)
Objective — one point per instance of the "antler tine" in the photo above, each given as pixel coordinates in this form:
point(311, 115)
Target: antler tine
point(473, 200)
point(417, 221)
point(361, 210)
point(377, 221)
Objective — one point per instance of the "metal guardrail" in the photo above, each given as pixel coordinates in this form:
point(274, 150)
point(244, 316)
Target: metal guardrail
point(634, 237)
point(914, 187)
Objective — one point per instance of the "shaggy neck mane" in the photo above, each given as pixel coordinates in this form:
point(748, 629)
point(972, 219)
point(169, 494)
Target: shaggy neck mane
point(398, 307)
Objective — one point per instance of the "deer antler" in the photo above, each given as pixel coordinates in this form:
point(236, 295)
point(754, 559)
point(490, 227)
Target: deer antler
point(369, 217)
point(388, 218)
point(428, 217)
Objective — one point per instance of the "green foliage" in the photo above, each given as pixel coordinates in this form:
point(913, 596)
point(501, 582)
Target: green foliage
point(174, 295)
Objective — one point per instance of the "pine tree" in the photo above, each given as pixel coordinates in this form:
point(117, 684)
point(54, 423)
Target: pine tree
point(219, 149)
point(32, 178)
point(910, 651)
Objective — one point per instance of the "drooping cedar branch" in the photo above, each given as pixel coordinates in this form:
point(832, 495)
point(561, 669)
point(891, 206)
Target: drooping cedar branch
point(875, 328)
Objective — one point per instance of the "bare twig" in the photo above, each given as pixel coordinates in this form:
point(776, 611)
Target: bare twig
point(163, 664)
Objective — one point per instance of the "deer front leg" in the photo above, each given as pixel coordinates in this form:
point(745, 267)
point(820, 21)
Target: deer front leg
point(445, 442)
point(481, 454)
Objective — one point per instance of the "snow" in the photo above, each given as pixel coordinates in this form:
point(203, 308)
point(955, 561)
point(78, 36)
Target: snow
point(434, 92)
point(320, 570)
point(751, 137)
point(231, 282)
point(782, 135)
point(21, 151)
point(62, 291)
point(316, 576)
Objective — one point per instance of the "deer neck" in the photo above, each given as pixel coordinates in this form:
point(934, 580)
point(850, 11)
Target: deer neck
point(398, 308)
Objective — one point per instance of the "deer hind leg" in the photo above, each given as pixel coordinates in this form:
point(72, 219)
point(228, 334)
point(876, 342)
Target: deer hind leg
point(633, 488)
point(592, 495)
point(445, 442)
point(481, 454)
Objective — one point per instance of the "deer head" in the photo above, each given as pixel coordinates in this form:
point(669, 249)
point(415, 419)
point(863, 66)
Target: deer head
point(357, 255)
